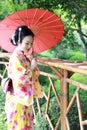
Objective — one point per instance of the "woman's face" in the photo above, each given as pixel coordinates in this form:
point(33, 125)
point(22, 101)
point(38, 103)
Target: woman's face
point(26, 44)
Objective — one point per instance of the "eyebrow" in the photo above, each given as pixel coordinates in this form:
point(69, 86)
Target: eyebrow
point(27, 41)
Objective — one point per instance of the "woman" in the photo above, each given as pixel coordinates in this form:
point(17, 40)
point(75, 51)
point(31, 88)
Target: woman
point(24, 74)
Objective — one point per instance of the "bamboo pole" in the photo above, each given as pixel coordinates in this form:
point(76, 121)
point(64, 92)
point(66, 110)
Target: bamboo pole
point(67, 123)
point(84, 122)
point(83, 86)
point(64, 99)
point(3, 75)
point(48, 118)
point(72, 100)
point(66, 65)
point(5, 55)
point(79, 110)
point(48, 101)
point(55, 92)
point(38, 105)
point(3, 62)
point(48, 75)
point(57, 124)
point(45, 96)
point(56, 71)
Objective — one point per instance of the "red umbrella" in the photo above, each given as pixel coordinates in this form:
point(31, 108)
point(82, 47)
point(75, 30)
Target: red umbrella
point(47, 27)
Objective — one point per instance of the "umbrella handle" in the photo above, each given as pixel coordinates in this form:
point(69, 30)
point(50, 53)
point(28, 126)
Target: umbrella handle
point(33, 53)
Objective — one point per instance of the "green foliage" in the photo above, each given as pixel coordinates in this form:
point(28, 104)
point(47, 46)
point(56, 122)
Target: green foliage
point(74, 118)
point(41, 123)
point(54, 112)
point(3, 125)
point(73, 114)
point(2, 100)
point(72, 55)
point(41, 77)
point(80, 78)
point(47, 54)
point(78, 57)
point(10, 6)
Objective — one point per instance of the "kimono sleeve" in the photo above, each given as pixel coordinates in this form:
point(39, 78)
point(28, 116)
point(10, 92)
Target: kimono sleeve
point(38, 91)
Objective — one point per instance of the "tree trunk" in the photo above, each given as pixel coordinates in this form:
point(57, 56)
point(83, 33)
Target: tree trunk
point(82, 38)
point(85, 50)
point(18, 1)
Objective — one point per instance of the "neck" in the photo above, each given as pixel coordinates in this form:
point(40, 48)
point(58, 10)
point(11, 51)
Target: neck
point(20, 49)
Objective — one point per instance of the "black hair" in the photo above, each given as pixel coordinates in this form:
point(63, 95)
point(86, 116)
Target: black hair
point(20, 33)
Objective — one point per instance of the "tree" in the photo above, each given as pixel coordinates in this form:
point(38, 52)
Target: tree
point(76, 14)
point(72, 12)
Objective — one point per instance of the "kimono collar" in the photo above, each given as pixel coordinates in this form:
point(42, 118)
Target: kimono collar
point(18, 51)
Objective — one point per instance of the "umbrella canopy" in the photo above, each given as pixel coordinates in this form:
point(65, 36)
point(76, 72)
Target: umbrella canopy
point(47, 27)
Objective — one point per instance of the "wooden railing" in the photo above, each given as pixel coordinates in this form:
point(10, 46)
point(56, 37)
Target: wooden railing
point(62, 70)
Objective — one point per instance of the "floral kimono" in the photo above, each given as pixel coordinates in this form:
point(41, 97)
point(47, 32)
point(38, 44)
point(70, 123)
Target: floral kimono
point(26, 87)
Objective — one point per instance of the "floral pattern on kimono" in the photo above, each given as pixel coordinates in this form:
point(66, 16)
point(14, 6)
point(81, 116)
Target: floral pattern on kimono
point(26, 86)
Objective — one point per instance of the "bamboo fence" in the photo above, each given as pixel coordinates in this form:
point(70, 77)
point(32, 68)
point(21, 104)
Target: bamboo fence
point(62, 71)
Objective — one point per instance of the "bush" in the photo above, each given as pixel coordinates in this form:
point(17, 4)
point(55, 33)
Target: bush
point(73, 114)
point(78, 57)
point(73, 118)
point(54, 113)
point(72, 55)
point(41, 123)
point(3, 125)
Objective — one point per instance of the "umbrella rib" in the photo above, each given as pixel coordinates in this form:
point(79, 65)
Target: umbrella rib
point(37, 45)
point(40, 16)
point(9, 23)
point(27, 16)
point(43, 42)
point(34, 16)
point(51, 17)
point(53, 31)
point(20, 17)
point(45, 19)
point(12, 24)
point(40, 26)
point(50, 27)
point(49, 22)
point(16, 21)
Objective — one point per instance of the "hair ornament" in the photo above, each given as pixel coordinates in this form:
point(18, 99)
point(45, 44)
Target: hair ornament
point(19, 34)
point(13, 40)
point(20, 29)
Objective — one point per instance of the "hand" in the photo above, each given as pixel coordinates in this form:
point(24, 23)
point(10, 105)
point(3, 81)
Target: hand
point(32, 56)
point(33, 64)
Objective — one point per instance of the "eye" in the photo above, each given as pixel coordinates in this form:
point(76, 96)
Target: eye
point(27, 43)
